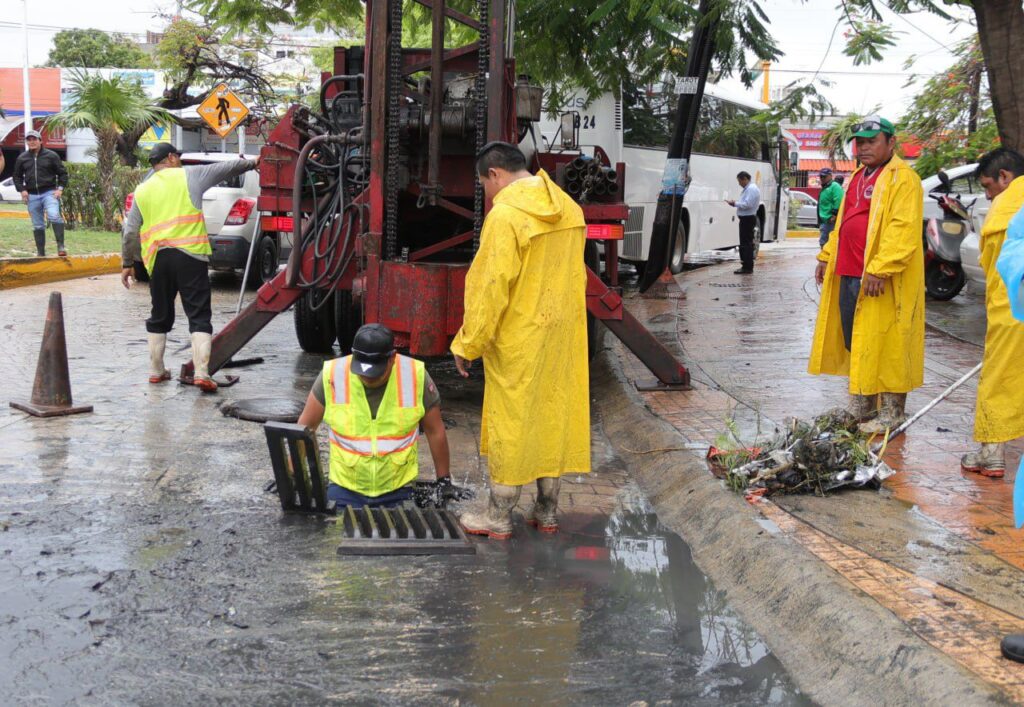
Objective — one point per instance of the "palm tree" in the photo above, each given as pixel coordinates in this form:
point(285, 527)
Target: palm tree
point(108, 107)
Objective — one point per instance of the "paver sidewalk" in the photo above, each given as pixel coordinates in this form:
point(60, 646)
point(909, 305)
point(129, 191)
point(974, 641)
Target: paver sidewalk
point(746, 341)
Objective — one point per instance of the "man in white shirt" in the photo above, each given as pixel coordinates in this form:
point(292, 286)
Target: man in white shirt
point(746, 209)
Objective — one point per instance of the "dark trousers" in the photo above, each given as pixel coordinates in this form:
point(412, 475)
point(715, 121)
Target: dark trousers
point(747, 225)
point(346, 497)
point(849, 290)
point(177, 272)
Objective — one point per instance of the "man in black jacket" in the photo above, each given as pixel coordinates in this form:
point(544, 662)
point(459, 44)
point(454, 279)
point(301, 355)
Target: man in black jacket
point(40, 176)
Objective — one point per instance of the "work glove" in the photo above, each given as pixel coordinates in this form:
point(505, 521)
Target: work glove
point(437, 493)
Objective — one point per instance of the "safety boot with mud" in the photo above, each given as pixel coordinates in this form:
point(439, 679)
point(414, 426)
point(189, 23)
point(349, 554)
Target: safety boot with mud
point(157, 345)
point(496, 520)
point(39, 234)
point(544, 515)
point(863, 407)
point(202, 343)
point(890, 416)
point(989, 460)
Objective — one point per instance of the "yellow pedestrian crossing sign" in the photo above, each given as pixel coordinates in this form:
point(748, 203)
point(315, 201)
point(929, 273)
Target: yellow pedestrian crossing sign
point(222, 110)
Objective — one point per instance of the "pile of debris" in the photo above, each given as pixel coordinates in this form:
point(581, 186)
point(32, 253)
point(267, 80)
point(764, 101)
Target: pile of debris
point(805, 457)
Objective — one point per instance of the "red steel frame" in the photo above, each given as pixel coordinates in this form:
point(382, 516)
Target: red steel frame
point(421, 301)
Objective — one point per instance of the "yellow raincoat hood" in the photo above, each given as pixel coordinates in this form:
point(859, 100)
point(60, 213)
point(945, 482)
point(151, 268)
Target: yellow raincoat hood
point(887, 351)
point(999, 414)
point(526, 316)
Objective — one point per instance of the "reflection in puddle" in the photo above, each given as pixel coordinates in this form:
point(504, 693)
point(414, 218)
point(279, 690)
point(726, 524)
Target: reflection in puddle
point(611, 610)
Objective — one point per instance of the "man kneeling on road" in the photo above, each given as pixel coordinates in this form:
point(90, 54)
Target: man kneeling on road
point(168, 209)
point(871, 314)
point(999, 413)
point(373, 402)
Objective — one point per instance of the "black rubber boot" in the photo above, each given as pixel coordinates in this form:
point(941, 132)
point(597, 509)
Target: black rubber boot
point(40, 235)
point(58, 233)
point(1013, 647)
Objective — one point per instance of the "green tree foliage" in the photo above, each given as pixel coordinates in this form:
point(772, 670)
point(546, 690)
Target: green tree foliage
point(952, 115)
point(94, 49)
point(82, 203)
point(108, 107)
point(589, 45)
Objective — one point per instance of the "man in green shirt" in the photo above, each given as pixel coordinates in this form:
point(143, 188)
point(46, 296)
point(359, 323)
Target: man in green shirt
point(828, 204)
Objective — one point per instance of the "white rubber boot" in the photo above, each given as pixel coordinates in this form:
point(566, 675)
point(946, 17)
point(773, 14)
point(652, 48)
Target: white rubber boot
point(496, 520)
point(890, 416)
point(157, 345)
point(544, 514)
point(989, 460)
point(201, 345)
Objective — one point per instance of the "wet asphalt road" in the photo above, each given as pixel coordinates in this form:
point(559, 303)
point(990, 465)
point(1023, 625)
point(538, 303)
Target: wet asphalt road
point(141, 562)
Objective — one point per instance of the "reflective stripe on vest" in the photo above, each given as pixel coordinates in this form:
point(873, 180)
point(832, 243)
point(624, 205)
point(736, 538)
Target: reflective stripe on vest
point(170, 219)
point(373, 456)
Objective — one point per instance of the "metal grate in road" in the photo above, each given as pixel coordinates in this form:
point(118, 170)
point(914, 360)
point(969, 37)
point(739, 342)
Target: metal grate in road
point(401, 531)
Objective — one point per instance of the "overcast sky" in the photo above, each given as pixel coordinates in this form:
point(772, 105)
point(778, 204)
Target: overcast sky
point(803, 30)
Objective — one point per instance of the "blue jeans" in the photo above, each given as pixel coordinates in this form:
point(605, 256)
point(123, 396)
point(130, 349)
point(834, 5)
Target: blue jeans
point(45, 202)
point(825, 229)
point(344, 497)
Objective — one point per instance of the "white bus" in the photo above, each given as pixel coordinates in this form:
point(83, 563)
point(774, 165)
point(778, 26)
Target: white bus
point(636, 131)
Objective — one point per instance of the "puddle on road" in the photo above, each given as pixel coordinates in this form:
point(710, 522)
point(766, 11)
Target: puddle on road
point(611, 610)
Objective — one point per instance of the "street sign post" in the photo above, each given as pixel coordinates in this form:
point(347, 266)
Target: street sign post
point(222, 110)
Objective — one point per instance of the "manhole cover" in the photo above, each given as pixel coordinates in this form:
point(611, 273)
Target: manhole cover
point(264, 409)
point(402, 531)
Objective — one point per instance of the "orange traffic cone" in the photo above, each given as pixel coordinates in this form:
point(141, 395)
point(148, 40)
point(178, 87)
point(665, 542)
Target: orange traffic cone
point(51, 392)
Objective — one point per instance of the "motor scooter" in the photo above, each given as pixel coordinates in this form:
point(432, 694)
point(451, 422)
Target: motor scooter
point(944, 275)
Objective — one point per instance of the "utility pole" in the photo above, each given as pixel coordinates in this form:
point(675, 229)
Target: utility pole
point(676, 176)
point(24, 73)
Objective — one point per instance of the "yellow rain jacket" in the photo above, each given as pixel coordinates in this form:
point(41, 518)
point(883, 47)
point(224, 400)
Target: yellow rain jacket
point(526, 316)
point(999, 416)
point(887, 348)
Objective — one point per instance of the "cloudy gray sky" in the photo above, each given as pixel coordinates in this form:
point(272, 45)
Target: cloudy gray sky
point(803, 30)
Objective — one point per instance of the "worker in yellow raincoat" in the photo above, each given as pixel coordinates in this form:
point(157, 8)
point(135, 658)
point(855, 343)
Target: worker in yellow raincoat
point(871, 315)
point(999, 414)
point(525, 315)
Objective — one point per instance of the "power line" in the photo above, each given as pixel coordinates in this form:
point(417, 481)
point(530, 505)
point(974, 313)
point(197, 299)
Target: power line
point(855, 73)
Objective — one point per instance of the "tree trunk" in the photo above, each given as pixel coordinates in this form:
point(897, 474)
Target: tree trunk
point(1001, 26)
point(106, 153)
point(974, 82)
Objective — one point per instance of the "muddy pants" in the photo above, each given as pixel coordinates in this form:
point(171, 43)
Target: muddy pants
point(176, 272)
point(849, 290)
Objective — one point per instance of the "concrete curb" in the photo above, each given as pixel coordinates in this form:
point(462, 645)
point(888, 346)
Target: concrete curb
point(18, 272)
point(14, 214)
point(840, 646)
point(802, 234)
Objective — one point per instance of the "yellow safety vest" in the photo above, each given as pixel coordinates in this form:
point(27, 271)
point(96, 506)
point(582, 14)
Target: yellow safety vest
point(169, 218)
point(373, 456)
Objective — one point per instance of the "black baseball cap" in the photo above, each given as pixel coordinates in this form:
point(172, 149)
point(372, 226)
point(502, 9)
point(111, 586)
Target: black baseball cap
point(371, 349)
point(159, 153)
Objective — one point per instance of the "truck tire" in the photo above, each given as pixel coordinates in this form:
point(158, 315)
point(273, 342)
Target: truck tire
point(676, 260)
point(314, 328)
point(347, 320)
point(266, 259)
point(595, 328)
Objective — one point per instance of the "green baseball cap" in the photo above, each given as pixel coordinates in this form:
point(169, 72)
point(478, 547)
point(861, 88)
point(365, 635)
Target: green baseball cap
point(872, 125)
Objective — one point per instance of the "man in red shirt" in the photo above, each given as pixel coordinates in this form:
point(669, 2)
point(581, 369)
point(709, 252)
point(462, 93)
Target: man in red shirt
point(871, 315)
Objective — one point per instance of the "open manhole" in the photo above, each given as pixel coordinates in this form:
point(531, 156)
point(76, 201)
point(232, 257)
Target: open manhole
point(264, 409)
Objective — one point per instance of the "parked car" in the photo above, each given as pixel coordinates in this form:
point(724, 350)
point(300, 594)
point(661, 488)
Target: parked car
point(232, 220)
point(807, 214)
point(963, 182)
point(7, 191)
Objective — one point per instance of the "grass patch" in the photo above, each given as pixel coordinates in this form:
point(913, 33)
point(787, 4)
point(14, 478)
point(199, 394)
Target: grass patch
point(13, 206)
point(16, 240)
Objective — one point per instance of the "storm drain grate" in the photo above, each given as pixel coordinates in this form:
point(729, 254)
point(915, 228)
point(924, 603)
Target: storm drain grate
point(402, 531)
